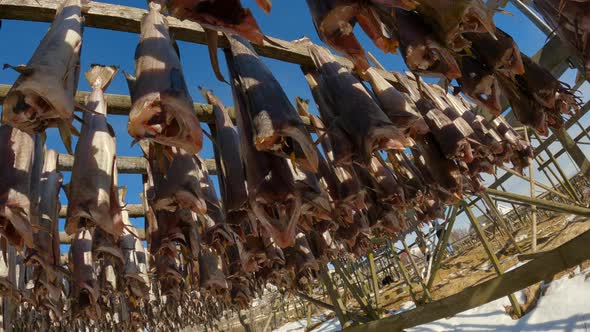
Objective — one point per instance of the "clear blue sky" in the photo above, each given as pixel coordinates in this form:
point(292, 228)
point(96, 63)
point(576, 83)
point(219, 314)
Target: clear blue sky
point(289, 20)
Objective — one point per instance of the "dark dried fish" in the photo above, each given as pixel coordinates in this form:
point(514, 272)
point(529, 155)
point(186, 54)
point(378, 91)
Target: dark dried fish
point(43, 95)
point(162, 108)
point(277, 126)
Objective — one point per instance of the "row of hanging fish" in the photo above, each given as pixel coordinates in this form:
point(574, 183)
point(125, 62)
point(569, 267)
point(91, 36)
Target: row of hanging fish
point(457, 40)
point(287, 204)
point(570, 19)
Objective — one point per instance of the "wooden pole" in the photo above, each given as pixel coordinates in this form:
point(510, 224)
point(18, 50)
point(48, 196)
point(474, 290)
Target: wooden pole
point(532, 191)
point(443, 247)
point(545, 266)
point(491, 255)
point(415, 266)
point(538, 184)
point(405, 275)
point(371, 258)
point(355, 291)
point(492, 206)
point(339, 308)
point(540, 203)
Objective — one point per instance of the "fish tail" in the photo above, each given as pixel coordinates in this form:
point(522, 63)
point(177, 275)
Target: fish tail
point(99, 76)
point(157, 5)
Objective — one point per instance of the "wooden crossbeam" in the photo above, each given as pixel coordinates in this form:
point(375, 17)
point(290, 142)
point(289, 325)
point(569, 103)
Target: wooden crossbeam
point(135, 210)
point(545, 266)
point(125, 165)
point(128, 19)
point(65, 238)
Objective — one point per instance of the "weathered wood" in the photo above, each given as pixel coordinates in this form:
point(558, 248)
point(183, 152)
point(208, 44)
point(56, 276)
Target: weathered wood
point(135, 210)
point(121, 104)
point(373, 269)
point(546, 265)
point(443, 246)
point(125, 165)
point(338, 306)
point(540, 203)
point(65, 238)
point(128, 19)
point(494, 209)
point(415, 266)
point(491, 255)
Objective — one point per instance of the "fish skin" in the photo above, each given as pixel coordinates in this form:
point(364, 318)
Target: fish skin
point(232, 176)
point(500, 53)
point(84, 279)
point(451, 18)
point(181, 186)
point(367, 133)
point(277, 127)
point(334, 21)
point(162, 109)
point(92, 193)
point(273, 197)
point(419, 46)
point(43, 95)
point(17, 151)
point(480, 84)
point(221, 15)
point(398, 108)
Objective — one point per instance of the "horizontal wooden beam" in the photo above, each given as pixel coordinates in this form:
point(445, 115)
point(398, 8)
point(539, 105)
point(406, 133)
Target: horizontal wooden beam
point(128, 19)
point(540, 203)
point(125, 165)
point(545, 266)
point(135, 210)
point(121, 105)
point(65, 238)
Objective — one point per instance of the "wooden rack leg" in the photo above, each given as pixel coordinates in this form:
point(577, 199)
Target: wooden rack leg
point(443, 246)
point(491, 255)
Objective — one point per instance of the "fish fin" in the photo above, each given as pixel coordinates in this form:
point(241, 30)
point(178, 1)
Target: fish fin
point(111, 130)
point(21, 69)
point(265, 5)
point(122, 192)
point(130, 82)
point(176, 81)
point(4, 247)
point(99, 76)
point(66, 135)
point(212, 43)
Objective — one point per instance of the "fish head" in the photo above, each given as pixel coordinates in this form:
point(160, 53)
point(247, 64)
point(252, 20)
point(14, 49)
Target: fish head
point(166, 119)
point(278, 214)
point(31, 112)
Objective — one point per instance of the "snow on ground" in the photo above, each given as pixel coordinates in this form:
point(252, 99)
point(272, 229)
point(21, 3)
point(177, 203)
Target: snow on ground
point(565, 306)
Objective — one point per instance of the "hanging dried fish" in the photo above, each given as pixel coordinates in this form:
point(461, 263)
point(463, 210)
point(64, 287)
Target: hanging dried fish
point(420, 48)
point(84, 281)
point(92, 191)
point(221, 15)
point(571, 20)
point(162, 108)
point(271, 188)
point(212, 277)
point(450, 19)
point(334, 22)
point(399, 109)
point(346, 94)
point(277, 126)
point(480, 84)
point(17, 151)
point(43, 95)
point(181, 187)
point(499, 52)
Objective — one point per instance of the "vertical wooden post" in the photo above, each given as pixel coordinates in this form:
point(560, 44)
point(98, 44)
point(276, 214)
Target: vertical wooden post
point(560, 171)
point(415, 266)
point(371, 258)
point(491, 254)
point(532, 190)
point(443, 246)
point(355, 291)
point(404, 272)
point(494, 209)
point(333, 294)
